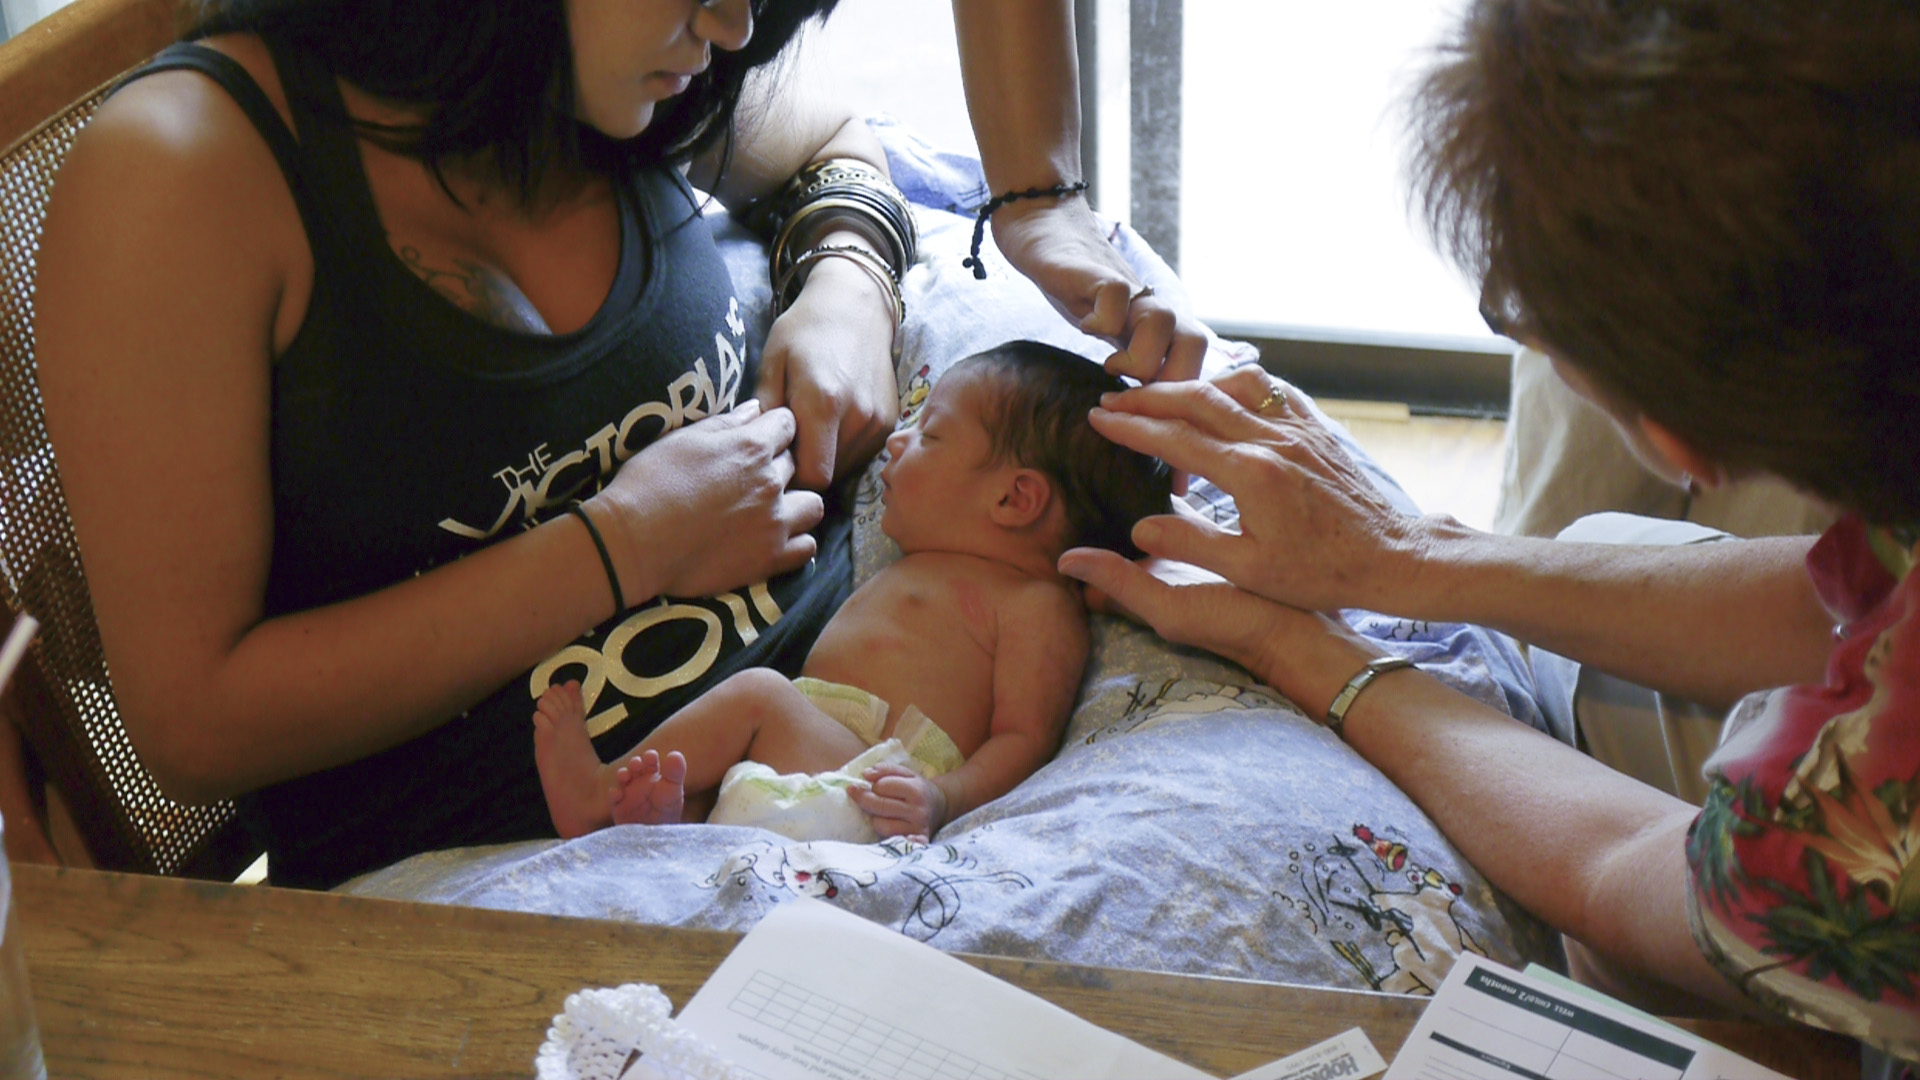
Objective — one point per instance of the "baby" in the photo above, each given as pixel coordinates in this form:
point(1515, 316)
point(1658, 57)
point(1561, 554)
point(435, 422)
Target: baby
point(974, 625)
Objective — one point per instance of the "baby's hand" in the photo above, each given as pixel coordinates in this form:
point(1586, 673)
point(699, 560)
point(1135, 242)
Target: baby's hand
point(901, 802)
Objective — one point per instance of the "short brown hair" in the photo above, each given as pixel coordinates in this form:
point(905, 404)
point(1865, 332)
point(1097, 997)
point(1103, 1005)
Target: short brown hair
point(1039, 396)
point(1711, 208)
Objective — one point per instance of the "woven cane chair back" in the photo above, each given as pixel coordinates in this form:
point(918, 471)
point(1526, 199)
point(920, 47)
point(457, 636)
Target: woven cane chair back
point(52, 78)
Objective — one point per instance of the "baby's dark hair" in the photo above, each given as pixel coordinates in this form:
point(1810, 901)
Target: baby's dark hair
point(1039, 396)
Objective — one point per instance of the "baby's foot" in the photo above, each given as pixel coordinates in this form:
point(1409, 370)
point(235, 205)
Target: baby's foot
point(652, 790)
point(571, 775)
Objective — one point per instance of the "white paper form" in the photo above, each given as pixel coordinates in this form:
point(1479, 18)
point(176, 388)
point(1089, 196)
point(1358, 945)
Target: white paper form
point(1490, 1022)
point(816, 993)
point(1347, 1056)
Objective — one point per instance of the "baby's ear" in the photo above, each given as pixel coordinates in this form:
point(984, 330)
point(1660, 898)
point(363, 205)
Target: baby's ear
point(1024, 499)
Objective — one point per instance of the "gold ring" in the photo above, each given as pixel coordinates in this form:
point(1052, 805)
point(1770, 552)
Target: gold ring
point(1276, 394)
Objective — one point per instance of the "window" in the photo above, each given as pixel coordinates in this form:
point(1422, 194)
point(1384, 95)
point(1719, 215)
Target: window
point(1289, 215)
point(1294, 204)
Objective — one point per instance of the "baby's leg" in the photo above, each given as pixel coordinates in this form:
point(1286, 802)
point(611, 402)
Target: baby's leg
point(578, 787)
point(756, 715)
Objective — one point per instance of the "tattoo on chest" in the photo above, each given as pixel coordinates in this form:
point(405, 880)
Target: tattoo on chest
point(480, 290)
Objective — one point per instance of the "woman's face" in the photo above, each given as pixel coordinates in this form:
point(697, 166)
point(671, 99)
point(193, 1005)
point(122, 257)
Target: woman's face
point(630, 55)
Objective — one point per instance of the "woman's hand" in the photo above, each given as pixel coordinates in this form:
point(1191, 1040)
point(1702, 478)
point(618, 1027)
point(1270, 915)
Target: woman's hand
point(1304, 655)
point(706, 508)
point(1314, 531)
point(829, 359)
point(1179, 601)
point(1061, 246)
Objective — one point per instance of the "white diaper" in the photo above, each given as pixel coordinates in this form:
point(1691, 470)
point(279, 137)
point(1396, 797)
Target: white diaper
point(803, 807)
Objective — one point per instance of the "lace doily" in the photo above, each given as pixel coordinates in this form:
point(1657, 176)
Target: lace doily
point(626, 1033)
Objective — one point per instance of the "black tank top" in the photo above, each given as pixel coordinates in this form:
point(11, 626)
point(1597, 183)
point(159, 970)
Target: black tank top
point(408, 433)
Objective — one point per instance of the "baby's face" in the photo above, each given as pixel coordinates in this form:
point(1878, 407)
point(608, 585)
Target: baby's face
point(935, 475)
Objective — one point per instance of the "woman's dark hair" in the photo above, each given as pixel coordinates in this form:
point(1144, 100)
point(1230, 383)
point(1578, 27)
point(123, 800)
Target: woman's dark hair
point(1039, 397)
point(1711, 208)
point(497, 76)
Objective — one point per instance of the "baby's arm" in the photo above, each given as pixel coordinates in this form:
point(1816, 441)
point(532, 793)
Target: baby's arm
point(1039, 655)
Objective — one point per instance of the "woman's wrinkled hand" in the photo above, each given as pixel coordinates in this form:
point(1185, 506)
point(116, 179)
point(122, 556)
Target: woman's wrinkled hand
point(1179, 601)
point(706, 508)
point(1061, 246)
point(1302, 654)
point(829, 359)
point(1314, 532)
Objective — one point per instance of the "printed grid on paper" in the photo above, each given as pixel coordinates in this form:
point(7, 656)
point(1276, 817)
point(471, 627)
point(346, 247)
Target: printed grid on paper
point(853, 1036)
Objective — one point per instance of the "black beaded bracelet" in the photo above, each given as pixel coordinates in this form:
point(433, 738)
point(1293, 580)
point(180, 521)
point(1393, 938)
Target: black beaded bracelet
point(579, 510)
point(1057, 191)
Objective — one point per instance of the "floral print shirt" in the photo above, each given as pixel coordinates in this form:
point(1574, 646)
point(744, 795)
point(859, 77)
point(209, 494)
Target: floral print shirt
point(1806, 885)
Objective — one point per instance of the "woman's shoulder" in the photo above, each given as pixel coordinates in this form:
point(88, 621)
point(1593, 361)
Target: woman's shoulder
point(181, 118)
point(171, 166)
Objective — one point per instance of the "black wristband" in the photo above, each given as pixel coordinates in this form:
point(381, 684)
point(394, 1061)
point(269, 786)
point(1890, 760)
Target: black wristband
point(579, 510)
point(980, 216)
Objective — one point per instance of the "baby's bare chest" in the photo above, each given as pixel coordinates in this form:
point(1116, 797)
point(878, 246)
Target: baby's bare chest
point(921, 635)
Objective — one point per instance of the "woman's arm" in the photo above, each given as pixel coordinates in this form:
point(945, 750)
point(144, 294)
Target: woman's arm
point(783, 123)
point(1596, 854)
point(173, 267)
point(828, 357)
point(1023, 91)
point(1710, 622)
point(1707, 622)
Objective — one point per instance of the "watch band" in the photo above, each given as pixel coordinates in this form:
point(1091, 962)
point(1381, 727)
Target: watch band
point(1376, 667)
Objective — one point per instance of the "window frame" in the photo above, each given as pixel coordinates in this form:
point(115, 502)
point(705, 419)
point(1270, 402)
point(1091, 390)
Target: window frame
point(1432, 374)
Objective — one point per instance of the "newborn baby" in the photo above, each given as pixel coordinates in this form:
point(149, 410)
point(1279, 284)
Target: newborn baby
point(948, 677)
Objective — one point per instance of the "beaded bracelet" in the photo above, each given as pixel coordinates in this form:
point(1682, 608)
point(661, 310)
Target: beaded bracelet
point(579, 510)
point(1057, 191)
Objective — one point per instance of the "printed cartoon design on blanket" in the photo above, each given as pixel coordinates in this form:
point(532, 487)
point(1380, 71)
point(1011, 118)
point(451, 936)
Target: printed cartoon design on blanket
point(1154, 703)
point(867, 500)
point(825, 869)
point(1393, 628)
point(913, 393)
point(1406, 941)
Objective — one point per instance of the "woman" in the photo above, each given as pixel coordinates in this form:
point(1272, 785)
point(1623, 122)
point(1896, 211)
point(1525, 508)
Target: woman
point(320, 463)
point(1706, 213)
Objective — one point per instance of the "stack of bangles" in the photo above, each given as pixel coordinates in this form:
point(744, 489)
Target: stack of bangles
point(842, 194)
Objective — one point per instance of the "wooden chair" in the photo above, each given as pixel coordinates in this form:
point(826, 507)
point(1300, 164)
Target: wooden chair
point(53, 75)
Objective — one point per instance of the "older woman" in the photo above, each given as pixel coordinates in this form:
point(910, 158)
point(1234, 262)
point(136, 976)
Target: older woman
point(1708, 213)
